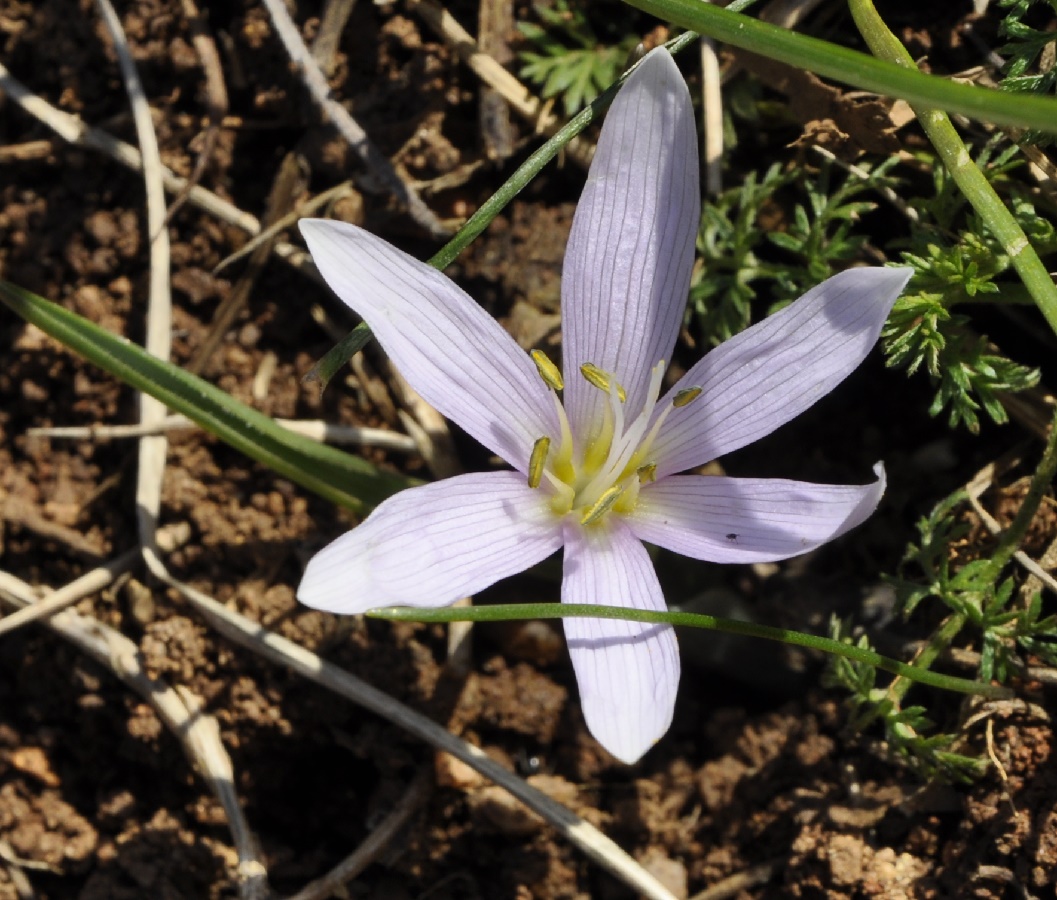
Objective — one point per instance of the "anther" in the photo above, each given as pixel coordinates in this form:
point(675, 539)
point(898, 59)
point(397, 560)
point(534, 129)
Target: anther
point(602, 380)
point(602, 505)
point(685, 397)
point(647, 473)
point(548, 371)
point(537, 461)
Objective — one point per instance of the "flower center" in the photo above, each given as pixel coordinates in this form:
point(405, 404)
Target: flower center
point(603, 470)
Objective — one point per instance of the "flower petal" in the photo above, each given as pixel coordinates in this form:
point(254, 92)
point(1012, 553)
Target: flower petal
point(627, 267)
point(747, 520)
point(628, 672)
point(449, 349)
point(430, 545)
point(770, 373)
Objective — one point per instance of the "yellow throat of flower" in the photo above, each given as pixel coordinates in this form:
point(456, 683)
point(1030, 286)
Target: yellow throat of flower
point(604, 471)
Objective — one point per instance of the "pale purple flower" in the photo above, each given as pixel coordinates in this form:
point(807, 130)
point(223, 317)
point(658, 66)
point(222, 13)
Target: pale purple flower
point(595, 471)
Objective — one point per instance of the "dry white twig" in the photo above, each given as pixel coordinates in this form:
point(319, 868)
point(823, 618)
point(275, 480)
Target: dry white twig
point(317, 430)
point(331, 24)
point(974, 489)
point(376, 162)
point(433, 434)
point(152, 449)
point(178, 709)
point(486, 68)
point(89, 583)
point(15, 874)
point(712, 118)
point(890, 195)
point(74, 130)
point(788, 13)
point(289, 220)
point(277, 649)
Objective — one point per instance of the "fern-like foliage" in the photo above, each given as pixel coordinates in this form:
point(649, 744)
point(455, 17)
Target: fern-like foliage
point(957, 263)
point(816, 239)
point(1025, 47)
point(1029, 53)
point(908, 731)
point(923, 330)
point(568, 59)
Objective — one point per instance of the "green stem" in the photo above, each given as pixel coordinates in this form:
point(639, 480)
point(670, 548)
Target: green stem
point(854, 68)
point(511, 611)
point(966, 174)
point(1009, 542)
point(529, 169)
point(343, 351)
point(941, 639)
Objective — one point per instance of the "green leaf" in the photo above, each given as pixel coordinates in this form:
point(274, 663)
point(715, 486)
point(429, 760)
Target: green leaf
point(340, 477)
point(854, 68)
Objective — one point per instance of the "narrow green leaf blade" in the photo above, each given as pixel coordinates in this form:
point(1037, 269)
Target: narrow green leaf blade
point(854, 68)
point(340, 477)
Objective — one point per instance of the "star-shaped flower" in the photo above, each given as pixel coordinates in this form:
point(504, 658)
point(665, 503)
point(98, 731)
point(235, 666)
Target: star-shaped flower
point(595, 470)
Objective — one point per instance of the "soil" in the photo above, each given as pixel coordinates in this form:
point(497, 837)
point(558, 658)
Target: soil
point(760, 786)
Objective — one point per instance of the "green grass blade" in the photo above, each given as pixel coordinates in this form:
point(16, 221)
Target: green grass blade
point(854, 68)
point(340, 477)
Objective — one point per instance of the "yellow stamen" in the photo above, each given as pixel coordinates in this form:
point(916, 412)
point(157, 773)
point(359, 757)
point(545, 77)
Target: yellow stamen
point(537, 461)
point(548, 371)
point(602, 505)
point(647, 473)
point(602, 380)
point(685, 397)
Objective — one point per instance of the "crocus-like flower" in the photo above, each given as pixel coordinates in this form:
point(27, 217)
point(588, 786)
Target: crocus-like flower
point(596, 453)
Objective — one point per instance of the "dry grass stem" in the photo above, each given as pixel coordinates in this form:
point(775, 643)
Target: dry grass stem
point(323, 432)
point(75, 131)
point(25, 514)
point(376, 162)
point(216, 94)
point(712, 116)
point(1031, 409)
point(158, 341)
point(289, 181)
point(890, 195)
point(439, 448)
point(26, 151)
point(255, 637)
point(788, 13)
point(287, 221)
point(735, 884)
point(495, 24)
point(975, 489)
point(23, 887)
point(90, 583)
point(335, 17)
point(519, 97)
point(178, 709)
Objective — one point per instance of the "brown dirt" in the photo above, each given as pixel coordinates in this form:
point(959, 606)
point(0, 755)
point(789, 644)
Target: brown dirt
point(758, 777)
